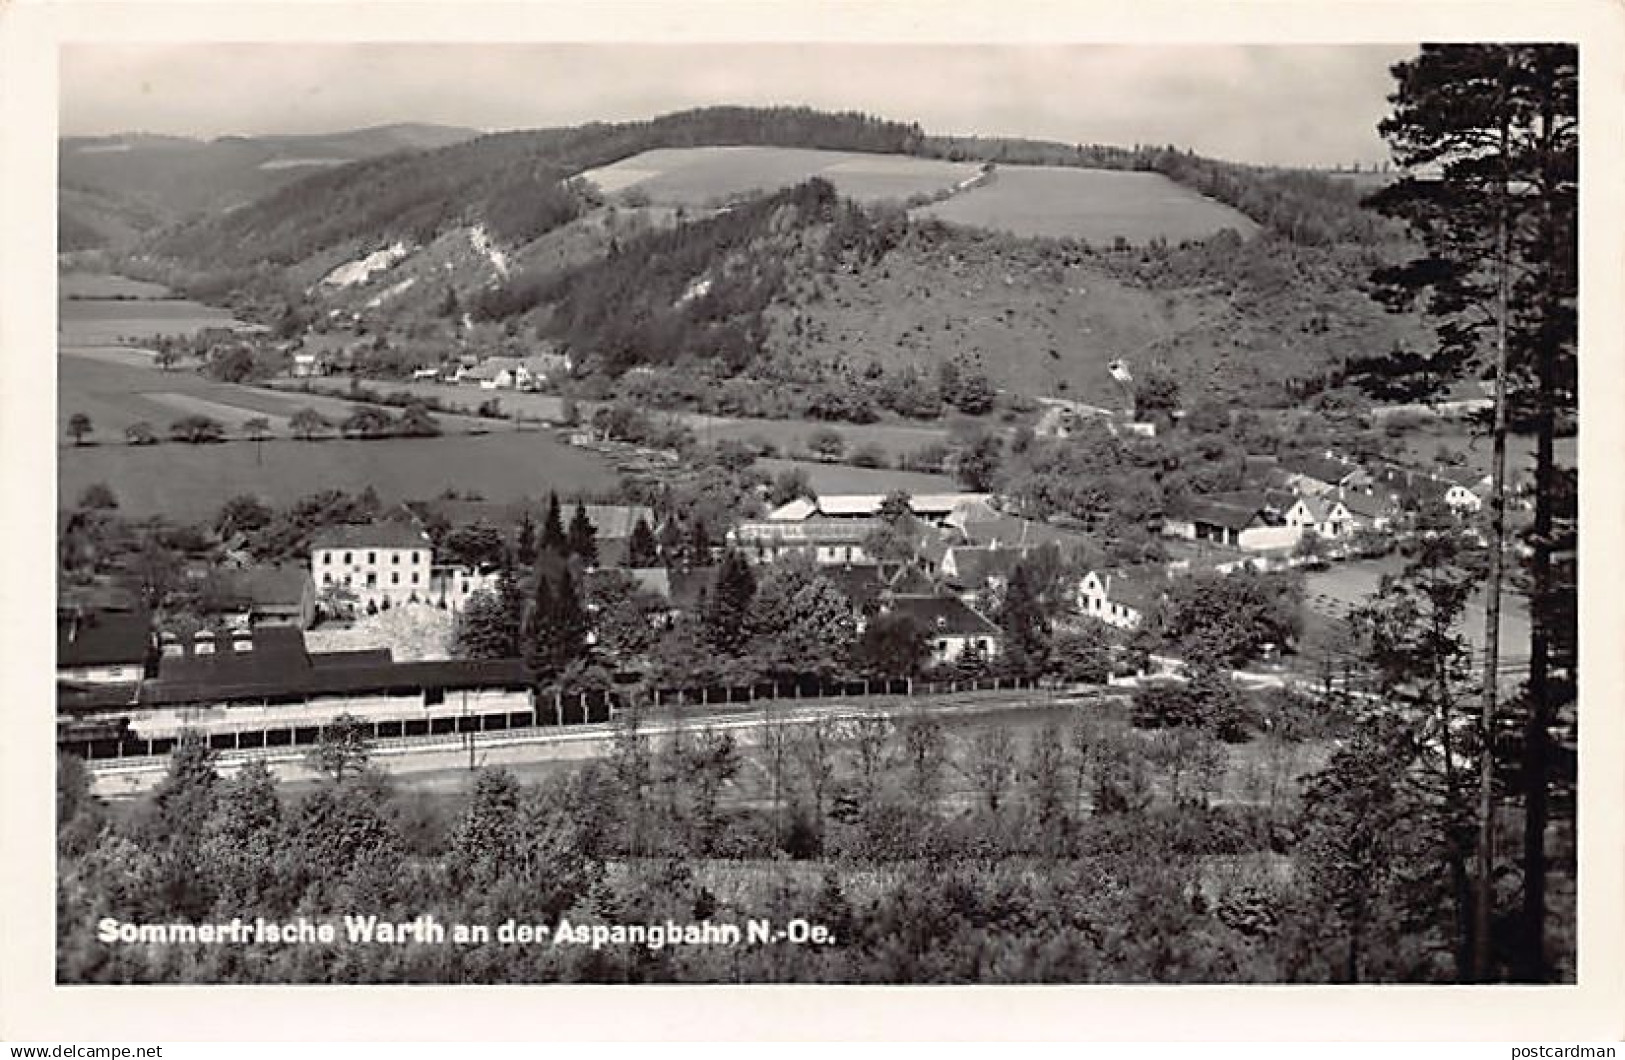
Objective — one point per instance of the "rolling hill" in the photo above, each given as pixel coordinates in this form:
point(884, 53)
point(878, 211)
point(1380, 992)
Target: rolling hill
point(115, 188)
point(635, 245)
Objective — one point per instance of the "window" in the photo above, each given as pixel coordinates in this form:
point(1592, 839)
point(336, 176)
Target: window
point(372, 579)
point(395, 557)
point(327, 579)
point(414, 578)
point(372, 557)
point(981, 647)
point(395, 578)
point(347, 557)
point(942, 647)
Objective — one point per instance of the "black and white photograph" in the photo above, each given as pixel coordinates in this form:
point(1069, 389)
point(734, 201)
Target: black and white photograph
point(873, 513)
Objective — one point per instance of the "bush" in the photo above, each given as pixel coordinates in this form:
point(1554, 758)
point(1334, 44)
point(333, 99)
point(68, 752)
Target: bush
point(826, 443)
point(197, 429)
point(870, 455)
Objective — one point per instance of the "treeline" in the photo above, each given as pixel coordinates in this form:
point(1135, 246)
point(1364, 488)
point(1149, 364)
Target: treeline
point(516, 183)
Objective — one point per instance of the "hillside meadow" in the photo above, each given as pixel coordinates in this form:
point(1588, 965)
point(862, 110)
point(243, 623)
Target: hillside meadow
point(1095, 204)
point(697, 176)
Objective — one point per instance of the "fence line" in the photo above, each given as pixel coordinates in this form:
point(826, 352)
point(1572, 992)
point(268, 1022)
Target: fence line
point(547, 711)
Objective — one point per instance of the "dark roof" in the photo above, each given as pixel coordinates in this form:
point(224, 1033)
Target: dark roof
point(976, 564)
point(101, 638)
point(75, 695)
point(327, 660)
point(1321, 468)
point(276, 652)
point(1219, 513)
point(860, 583)
point(325, 680)
point(943, 615)
point(386, 534)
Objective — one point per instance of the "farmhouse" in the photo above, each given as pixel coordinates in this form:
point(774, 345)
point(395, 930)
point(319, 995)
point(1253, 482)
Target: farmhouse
point(102, 647)
point(954, 629)
point(267, 594)
point(382, 564)
point(1324, 515)
point(517, 373)
point(1223, 522)
point(1322, 473)
point(1115, 601)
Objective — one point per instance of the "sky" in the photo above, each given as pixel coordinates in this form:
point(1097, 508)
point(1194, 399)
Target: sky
point(1275, 104)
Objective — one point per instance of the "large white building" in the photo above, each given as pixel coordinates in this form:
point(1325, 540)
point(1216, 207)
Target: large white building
point(383, 564)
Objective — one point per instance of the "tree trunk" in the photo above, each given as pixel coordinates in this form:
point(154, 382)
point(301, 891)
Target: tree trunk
point(1492, 605)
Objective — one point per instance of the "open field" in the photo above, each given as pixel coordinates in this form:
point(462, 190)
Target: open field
point(189, 482)
point(843, 478)
point(91, 321)
point(118, 386)
point(696, 176)
point(77, 285)
point(1094, 204)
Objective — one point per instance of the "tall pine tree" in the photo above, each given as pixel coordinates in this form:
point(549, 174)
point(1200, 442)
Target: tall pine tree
point(1488, 135)
point(640, 549)
point(727, 611)
point(553, 537)
point(583, 536)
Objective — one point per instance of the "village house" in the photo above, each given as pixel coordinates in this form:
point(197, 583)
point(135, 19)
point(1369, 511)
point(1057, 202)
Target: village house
point(1233, 520)
point(953, 629)
point(517, 373)
point(1116, 601)
point(382, 564)
point(1323, 473)
point(1324, 515)
point(102, 647)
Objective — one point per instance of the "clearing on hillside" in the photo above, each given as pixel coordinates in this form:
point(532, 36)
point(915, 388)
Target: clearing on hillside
point(697, 176)
point(1094, 204)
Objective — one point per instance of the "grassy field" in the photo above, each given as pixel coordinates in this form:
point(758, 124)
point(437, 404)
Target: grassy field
point(695, 176)
point(190, 482)
point(1094, 204)
point(843, 478)
point(78, 285)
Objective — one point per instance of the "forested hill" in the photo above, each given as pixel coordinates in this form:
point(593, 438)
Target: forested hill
point(114, 188)
point(518, 185)
point(515, 184)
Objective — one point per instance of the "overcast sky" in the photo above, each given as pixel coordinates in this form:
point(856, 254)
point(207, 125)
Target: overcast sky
point(1283, 104)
